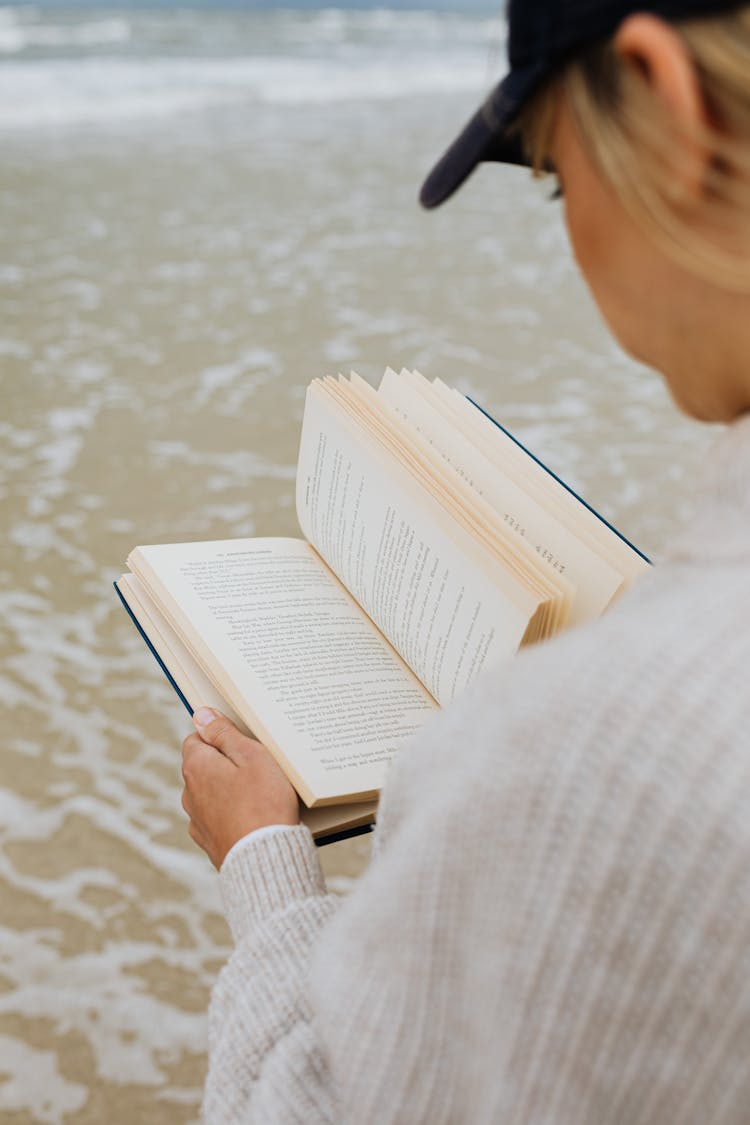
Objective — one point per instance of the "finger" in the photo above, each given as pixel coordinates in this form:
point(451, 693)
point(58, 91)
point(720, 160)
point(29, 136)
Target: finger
point(193, 747)
point(218, 731)
point(185, 801)
point(190, 744)
point(196, 836)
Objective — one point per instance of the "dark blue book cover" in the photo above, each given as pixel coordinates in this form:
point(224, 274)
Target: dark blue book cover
point(320, 841)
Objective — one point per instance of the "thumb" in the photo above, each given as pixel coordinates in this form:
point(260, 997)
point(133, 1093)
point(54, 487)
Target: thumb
point(220, 732)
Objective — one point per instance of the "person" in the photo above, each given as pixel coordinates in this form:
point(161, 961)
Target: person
point(555, 925)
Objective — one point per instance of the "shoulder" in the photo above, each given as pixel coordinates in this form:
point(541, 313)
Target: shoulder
point(661, 677)
point(564, 869)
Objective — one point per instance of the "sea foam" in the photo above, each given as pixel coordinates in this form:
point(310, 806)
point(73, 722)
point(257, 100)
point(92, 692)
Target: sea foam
point(157, 64)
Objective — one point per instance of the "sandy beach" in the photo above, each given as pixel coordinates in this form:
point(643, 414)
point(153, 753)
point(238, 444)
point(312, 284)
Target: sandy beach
point(202, 212)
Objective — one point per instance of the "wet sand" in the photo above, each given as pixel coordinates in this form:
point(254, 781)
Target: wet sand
point(167, 293)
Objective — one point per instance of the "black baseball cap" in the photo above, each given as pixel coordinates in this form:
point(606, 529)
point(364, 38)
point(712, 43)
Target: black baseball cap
point(542, 36)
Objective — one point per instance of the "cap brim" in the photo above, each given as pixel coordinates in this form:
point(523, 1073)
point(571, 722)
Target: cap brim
point(487, 136)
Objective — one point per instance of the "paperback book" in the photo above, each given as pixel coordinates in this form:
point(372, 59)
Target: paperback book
point(433, 546)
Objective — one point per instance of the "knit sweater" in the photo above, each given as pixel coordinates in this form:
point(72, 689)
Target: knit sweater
point(555, 926)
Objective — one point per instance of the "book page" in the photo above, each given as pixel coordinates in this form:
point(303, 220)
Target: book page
point(400, 440)
point(294, 656)
point(512, 459)
point(198, 691)
point(594, 580)
point(445, 606)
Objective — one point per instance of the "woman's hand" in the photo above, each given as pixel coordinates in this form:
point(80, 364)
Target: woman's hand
point(232, 785)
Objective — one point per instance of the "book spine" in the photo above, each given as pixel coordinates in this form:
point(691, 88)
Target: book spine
point(151, 648)
point(344, 834)
point(320, 841)
point(559, 480)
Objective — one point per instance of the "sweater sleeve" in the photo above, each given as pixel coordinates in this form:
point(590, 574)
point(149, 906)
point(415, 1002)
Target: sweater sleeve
point(264, 1061)
point(556, 925)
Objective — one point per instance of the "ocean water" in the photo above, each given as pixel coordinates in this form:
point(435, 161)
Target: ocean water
point(202, 209)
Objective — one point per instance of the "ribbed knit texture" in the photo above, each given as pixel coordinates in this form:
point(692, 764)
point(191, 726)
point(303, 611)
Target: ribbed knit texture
point(555, 928)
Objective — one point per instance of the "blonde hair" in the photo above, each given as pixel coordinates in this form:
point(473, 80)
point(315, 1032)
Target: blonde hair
point(626, 137)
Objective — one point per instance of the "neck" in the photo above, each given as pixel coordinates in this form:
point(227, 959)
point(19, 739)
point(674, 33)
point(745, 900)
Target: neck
point(707, 360)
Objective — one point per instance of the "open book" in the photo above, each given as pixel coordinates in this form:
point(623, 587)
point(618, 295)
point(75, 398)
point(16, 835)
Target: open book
point(435, 546)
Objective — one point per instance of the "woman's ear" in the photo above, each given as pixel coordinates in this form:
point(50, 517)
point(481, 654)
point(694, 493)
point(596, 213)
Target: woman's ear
point(660, 56)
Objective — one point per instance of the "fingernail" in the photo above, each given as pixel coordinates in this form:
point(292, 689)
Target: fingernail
point(203, 716)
